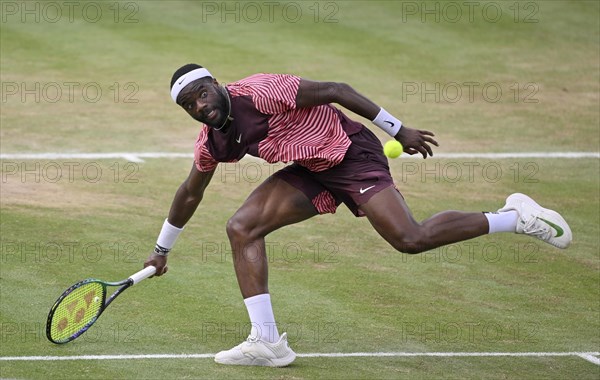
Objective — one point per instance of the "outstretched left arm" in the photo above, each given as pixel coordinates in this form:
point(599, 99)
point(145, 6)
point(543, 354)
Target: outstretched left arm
point(311, 93)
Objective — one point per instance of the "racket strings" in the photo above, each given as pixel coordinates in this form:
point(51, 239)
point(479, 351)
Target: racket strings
point(76, 310)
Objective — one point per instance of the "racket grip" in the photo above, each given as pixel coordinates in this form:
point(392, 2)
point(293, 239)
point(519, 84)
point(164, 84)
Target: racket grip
point(143, 274)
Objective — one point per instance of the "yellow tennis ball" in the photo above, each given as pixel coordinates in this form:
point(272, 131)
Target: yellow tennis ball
point(393, 149)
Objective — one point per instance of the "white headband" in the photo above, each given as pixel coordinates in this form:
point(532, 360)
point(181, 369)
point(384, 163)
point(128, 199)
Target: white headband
point(186, 79)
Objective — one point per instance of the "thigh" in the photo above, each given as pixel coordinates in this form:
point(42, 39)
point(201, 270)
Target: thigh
point(389, 214)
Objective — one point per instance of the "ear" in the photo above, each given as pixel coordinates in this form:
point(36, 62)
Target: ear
point(215, 81)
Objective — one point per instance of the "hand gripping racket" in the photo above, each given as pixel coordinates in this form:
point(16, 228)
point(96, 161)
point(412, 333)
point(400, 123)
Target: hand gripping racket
point(81, 305)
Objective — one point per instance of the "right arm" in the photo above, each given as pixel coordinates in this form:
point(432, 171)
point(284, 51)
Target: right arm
point(188, 197)
point(186, 200)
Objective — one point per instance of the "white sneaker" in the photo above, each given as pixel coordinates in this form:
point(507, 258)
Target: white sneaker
point(254, 351)
point(542, 223)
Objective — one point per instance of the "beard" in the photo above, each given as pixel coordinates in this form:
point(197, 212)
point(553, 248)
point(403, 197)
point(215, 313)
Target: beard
point(223, 109)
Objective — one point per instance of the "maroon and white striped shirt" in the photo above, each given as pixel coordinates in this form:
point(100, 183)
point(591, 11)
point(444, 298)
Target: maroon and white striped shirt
point(267, 124)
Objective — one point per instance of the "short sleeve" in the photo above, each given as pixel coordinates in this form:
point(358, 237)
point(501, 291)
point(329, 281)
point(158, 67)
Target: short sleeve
point(272, 93)
point(202, 158)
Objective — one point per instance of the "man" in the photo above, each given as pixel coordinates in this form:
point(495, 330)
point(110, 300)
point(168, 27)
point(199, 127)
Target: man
point(284, 118)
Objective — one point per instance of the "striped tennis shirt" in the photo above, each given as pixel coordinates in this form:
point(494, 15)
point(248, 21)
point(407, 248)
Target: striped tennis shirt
point(267, 124)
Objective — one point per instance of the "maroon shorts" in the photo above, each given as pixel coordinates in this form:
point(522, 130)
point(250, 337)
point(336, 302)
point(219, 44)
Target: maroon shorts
point(363, 173)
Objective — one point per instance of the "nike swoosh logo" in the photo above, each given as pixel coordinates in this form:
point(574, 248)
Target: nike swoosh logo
point(390, 123)
point(181, 81)
point(239, 139)
point(362, 191)
point(559, 230)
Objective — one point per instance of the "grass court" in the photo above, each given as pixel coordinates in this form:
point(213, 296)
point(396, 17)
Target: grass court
point(86, 120)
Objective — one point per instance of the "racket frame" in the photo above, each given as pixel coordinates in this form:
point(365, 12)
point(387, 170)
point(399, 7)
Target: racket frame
point(123, 285)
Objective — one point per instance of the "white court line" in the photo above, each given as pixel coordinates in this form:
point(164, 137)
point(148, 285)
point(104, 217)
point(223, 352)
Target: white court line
point(140, 156)
point(128, 156)
point(589, 356)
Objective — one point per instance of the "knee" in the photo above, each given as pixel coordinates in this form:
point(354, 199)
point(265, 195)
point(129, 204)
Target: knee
point(241, 228)
point(411, 243)
point(410, 248)
point(236, 228)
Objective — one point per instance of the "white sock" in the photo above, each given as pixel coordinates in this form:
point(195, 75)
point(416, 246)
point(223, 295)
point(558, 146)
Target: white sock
point(502, 221)
point(262, 318)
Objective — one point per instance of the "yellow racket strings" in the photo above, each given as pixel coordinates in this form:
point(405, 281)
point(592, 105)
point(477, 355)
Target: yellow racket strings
point(76, 310)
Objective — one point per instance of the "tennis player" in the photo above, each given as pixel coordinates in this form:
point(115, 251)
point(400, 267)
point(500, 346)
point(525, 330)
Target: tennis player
point(334, 160)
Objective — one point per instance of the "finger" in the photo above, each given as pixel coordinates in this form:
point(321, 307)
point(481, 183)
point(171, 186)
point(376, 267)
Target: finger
point(428, 149)
point(411, 151)
point(431, 141)
point(422, 150)
point(424, 132)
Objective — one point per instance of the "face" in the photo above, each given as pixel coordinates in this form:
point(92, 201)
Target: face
point(205, 101)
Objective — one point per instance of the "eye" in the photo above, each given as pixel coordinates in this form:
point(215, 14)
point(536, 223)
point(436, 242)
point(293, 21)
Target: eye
point(203, 94)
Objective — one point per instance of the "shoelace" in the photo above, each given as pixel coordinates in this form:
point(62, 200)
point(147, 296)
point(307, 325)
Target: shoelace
point(251, 339)
point(535, 228)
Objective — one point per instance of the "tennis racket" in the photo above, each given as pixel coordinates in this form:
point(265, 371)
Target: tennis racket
point(76, 310)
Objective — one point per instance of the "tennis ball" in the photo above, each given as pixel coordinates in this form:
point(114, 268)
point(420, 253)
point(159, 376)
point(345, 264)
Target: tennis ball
point(393, 149)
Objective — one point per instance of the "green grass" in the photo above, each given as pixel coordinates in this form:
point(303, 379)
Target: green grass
point(336, 285)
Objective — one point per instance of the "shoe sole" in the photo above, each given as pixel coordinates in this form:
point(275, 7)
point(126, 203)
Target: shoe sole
point(552, 215)
point(279, 362)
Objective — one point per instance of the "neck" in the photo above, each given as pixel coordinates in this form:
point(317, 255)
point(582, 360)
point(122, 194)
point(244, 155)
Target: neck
point(227, 121)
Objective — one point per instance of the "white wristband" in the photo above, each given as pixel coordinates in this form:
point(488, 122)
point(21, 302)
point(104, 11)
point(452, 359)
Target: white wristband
point(387, 122)
point(167, 237)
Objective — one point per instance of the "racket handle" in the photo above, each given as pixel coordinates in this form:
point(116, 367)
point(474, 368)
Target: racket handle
point(143, 274)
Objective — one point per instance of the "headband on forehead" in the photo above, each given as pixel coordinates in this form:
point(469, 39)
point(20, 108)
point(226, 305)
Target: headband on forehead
point(186, 79)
